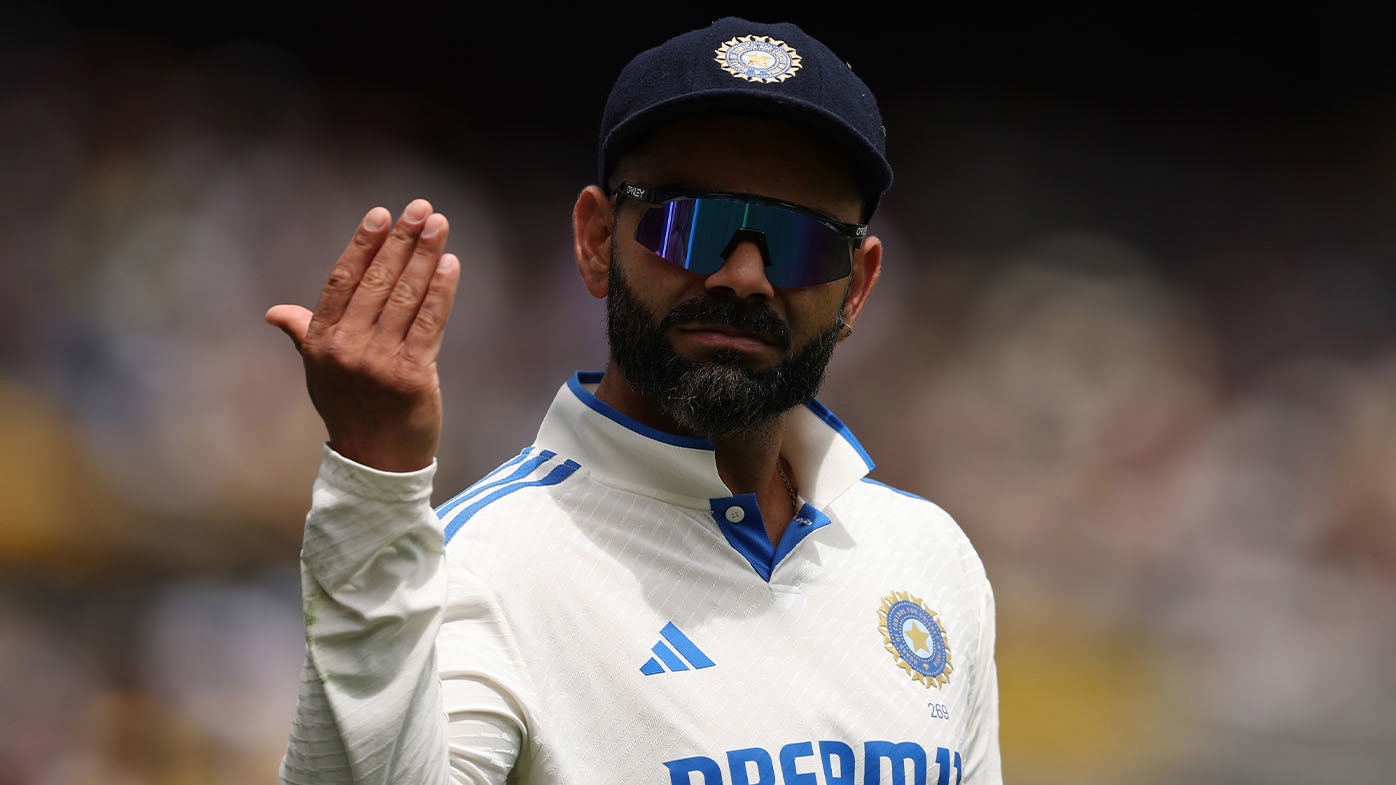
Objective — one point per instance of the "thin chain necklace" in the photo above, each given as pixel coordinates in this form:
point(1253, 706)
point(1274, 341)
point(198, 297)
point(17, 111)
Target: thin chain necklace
point(794, 497)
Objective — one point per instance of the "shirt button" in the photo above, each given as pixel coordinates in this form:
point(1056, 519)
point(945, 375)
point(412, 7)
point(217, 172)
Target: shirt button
point(735, 514)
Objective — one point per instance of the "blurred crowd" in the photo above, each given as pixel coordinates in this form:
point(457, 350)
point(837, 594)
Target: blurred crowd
point(1192, 532)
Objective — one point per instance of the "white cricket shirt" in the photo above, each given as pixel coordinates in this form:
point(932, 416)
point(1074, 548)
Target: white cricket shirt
point(605, 611)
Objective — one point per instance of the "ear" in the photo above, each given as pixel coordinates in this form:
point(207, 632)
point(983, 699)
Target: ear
point(867, 268)
point(592, 220)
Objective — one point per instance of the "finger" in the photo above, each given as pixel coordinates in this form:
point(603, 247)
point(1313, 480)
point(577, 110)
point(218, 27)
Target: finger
point(412, 286)
point(344, 278)
point(423, 342)
point(290, 319)
point(382, 273)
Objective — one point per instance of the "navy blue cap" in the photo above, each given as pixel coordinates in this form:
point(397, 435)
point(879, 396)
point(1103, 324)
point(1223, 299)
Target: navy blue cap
point(739, 67)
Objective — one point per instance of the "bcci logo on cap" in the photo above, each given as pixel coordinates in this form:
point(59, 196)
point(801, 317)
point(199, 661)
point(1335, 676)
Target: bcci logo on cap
point(758, 58)
point(912, 633)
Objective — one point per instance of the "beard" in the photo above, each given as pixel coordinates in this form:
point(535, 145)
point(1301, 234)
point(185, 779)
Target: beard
point(722, 395)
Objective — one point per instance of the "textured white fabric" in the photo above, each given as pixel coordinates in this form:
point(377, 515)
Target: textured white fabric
point(554, 609)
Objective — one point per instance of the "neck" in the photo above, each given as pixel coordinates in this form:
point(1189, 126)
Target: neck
point(750, 462)
point(747, 461)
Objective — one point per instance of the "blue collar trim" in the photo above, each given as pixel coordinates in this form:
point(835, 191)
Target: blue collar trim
point(748, 535)
point(834, 422)
point(597, 405)
point(581, 378)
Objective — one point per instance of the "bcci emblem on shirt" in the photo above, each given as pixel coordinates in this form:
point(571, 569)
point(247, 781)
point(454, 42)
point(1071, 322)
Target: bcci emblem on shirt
point(913, 634)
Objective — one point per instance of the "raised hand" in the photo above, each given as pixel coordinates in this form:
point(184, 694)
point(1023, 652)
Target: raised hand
point(371, 345)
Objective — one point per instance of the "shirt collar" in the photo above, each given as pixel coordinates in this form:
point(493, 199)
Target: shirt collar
point(824, 456)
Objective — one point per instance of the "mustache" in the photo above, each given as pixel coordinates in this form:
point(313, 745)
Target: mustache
point(731, 313)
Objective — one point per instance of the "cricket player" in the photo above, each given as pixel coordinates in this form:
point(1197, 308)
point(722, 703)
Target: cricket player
point(688, 577)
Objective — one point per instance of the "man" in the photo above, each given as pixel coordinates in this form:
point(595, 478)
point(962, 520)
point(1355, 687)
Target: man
point(688, 577)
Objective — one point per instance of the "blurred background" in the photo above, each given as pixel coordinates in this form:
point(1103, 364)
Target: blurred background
point(1135, 332)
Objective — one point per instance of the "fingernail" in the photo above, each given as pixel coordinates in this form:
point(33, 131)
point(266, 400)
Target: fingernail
point(435, 224)
point(417, 210)
point(376, 219)
point(444, 263)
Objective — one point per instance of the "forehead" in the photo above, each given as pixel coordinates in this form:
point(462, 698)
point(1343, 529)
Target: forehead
point(753, 155)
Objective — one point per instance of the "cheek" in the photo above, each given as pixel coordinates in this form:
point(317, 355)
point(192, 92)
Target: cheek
point(813, 309)
point(658, 283)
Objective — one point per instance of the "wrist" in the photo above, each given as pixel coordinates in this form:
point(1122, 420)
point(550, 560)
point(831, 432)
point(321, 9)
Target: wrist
point(391, 459)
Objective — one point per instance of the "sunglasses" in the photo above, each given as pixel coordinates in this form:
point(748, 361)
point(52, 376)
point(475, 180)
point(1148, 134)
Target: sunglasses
point(698, 231)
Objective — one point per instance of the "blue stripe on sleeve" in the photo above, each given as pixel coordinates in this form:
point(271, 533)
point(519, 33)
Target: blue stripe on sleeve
point(494, 472)
point(485, 484)
point(557, 475)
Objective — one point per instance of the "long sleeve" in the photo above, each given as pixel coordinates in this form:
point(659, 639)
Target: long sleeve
point(375, 586)
point(982, 761)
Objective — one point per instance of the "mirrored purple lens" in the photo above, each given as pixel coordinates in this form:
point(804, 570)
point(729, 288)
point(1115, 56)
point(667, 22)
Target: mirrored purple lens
point(695, 234)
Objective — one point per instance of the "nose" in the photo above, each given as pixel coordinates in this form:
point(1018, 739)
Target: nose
point(743, 273)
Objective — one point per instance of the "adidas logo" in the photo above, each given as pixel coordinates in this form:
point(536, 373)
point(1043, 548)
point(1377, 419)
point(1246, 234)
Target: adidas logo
point(679, 658)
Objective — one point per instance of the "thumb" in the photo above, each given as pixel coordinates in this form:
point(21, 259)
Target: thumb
point(290, 319)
